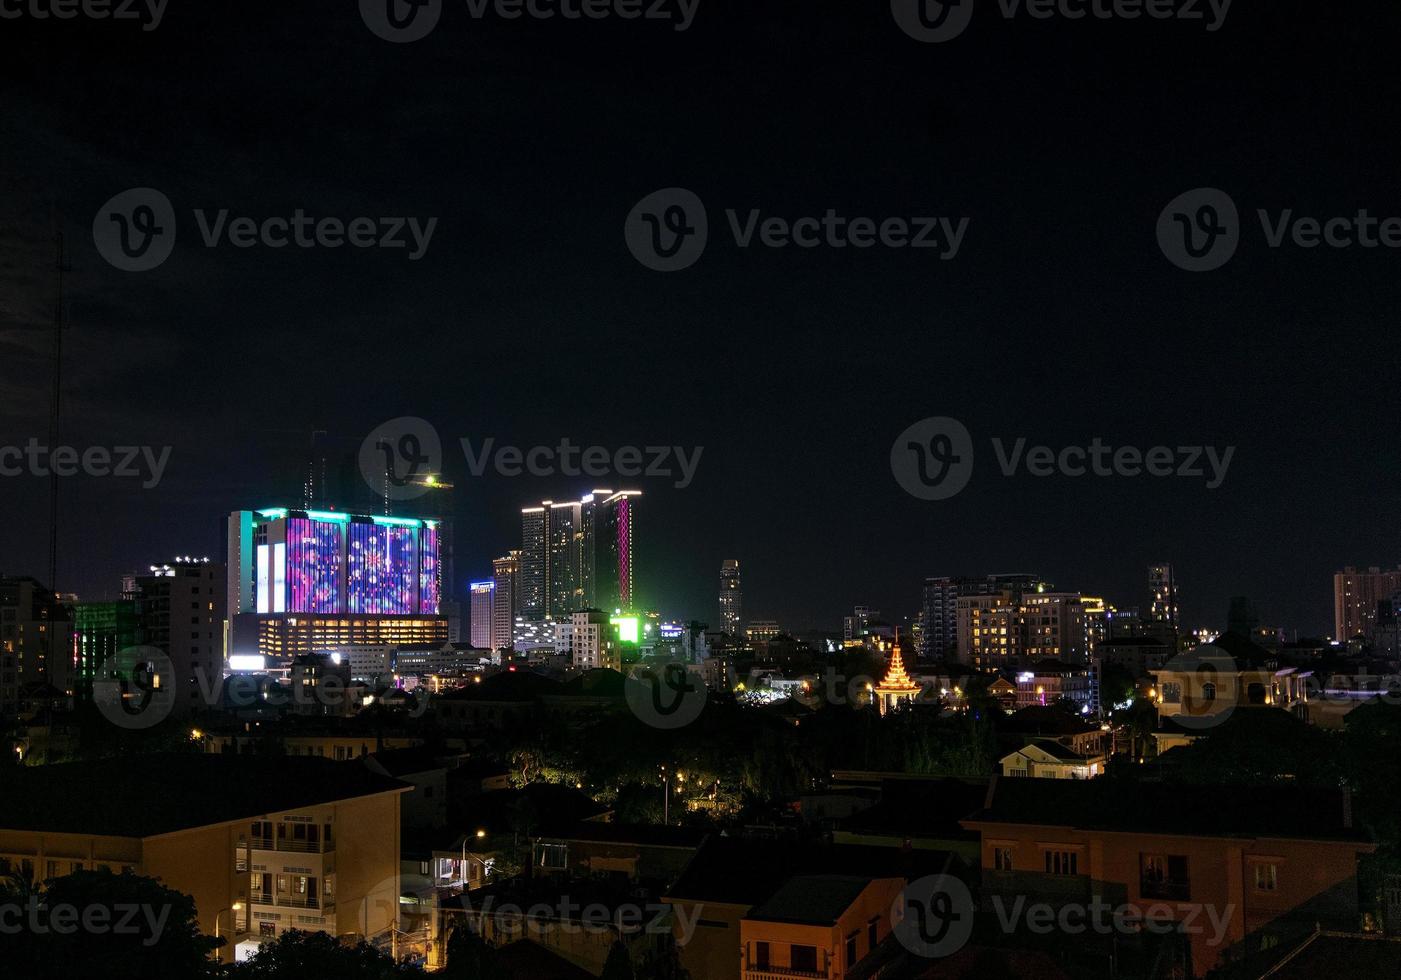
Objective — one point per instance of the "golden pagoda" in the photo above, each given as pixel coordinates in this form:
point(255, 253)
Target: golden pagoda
point(897, 686)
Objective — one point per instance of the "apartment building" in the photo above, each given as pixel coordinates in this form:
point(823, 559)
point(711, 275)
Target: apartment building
point(262, 845)
point(1264, 862)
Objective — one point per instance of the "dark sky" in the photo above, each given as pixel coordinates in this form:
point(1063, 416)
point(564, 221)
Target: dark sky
point(528, 320)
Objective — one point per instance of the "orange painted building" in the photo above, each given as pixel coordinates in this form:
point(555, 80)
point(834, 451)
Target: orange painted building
point(1233, 869)
point(818, 926)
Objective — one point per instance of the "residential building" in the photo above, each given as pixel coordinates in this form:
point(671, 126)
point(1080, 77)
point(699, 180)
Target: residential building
point(1357, 597)
point(731, 597)
point(181, 612)
point(1162, 587)
point(1051, 760)
point(262, 845)
point(1051, 681)
point(939, 625)
point(36, 640)
point(819, 926)
point(1266, 861)
point(589, 639)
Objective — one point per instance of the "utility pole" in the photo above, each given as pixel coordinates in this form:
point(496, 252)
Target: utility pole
point(55, 407)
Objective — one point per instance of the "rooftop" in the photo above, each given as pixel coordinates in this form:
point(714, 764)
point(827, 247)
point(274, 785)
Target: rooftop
point(152, 795)
point(1170, 808)
point(817, 900)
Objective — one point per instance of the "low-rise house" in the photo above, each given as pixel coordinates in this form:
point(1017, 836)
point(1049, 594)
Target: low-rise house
point(1051, 760)
point(819, 926)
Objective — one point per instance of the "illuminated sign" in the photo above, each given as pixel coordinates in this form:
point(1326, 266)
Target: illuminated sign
point(629, 628)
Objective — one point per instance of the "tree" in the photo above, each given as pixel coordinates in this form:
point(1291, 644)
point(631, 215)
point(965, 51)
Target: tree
point(470, 958)
point(297, 955)
point(618, 966)
point(99, 924)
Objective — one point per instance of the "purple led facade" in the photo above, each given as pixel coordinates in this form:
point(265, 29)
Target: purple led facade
point(428, 571)
point(382, 565)
point(314, 575)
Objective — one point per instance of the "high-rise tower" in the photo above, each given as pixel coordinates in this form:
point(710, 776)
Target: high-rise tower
point(731, 597)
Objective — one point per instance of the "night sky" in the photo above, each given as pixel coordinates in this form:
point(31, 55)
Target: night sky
point(528, 320)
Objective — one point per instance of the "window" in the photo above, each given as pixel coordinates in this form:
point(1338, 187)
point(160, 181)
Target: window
point(871, 933)
point(851, 949)
point(1164, 876)
point(803, 958)
point(1002, 859)
point(761, 955)
point(1062, 863)
point(1266, 876)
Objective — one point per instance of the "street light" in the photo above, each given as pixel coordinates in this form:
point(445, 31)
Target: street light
point(236, 907)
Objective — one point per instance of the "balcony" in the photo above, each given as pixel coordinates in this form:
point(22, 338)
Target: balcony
point(1174, 889)
point(311, 902)
point(782, 973)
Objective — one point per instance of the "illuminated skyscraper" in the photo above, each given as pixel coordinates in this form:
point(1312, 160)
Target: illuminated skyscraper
point(483, 614)
point(308, 581)
point(578, 555)
point(731, 597)
point(505, 575)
